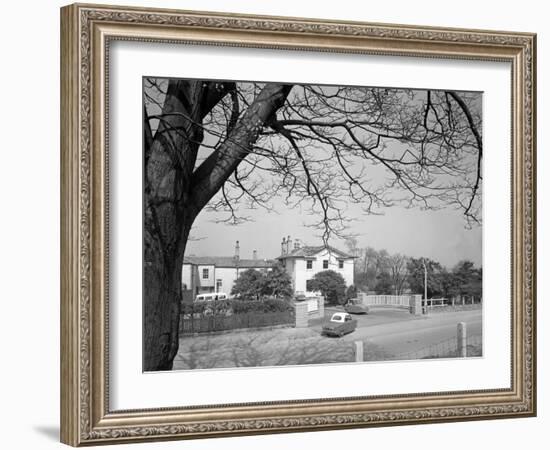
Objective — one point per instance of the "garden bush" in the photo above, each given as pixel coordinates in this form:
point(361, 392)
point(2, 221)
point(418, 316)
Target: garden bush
point(236, 306)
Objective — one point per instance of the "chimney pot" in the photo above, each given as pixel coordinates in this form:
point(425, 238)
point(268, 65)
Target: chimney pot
point(254, 255)
point(237, 250)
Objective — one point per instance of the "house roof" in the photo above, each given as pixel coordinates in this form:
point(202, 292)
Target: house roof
point(309, 251)
point(229, 261)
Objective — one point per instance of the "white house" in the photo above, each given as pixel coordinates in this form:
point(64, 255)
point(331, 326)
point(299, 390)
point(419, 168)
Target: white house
point(303, 262)
point(201, 274)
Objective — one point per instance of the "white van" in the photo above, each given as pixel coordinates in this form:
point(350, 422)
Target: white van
point(211, 297)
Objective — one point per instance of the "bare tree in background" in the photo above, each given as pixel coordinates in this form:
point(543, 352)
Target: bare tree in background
point(398, 272)
point(219, 145)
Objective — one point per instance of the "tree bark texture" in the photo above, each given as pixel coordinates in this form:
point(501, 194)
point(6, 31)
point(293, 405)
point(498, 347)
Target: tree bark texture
point(176, 191)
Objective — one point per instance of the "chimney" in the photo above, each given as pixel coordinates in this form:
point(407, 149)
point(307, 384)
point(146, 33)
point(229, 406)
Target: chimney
point(283, 247)
point(288, 245)
point(297, 244)
point(237, 250)
point(254, 255)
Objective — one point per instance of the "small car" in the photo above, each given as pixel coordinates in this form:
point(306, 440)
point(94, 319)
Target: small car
point(339, 324)
point(354, 306)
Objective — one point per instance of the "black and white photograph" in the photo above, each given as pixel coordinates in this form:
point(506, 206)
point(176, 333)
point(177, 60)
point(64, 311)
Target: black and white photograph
point(297, 224)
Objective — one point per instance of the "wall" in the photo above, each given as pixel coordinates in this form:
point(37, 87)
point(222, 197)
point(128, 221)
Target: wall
point(205, 283)
point(302, 274)
point(192, 276)
point(290, 269)
point(188, 274)
point(193, 279)
point(228, 275)
point(29, 323)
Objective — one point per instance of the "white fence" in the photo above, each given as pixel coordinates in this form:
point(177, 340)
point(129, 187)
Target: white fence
point(433, 302)
point(386, 300)
point(312, 305)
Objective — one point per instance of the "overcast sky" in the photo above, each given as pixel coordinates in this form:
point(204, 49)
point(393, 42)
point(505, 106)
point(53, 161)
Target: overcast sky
point(440, 235)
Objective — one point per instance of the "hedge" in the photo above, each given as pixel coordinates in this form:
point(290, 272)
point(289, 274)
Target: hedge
point(236, 306)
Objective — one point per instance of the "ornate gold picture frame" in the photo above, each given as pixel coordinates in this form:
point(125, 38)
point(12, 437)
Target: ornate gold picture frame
point(87, 31)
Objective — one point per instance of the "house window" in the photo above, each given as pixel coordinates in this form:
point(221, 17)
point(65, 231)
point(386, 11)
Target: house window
point(309, 264)
point(340, 263)
point(205, 274)
point(218, 285)
point(325, 263)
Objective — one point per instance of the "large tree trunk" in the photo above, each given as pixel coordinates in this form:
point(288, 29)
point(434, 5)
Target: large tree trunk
point(166, 230)
point(162, 294)
point(175, 193)
point(168, 217)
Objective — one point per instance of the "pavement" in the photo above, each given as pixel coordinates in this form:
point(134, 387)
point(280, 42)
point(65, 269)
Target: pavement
point(386, 333)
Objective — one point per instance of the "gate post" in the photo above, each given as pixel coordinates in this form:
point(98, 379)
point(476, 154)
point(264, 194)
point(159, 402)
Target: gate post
point(301, 314)
point(461, 335)
point(321, 306)
point(358, 351)
point(415, 304)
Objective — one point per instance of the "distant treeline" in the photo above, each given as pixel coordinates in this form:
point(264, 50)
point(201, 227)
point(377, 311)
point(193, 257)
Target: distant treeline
point(396, 274)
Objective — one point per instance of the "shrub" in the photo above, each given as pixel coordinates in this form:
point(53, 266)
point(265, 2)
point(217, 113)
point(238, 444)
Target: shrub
point(265, 304)
point(253, 284)
point(249, 285)
point(331, 284)
point(277, 283)
point(276, 305)
point(351, 292)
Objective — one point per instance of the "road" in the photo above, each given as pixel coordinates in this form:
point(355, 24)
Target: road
point(387, 334)
point(404, 337)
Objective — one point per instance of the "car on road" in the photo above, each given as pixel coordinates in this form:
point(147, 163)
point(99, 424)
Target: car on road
point(339, 324)
point(354, 306)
